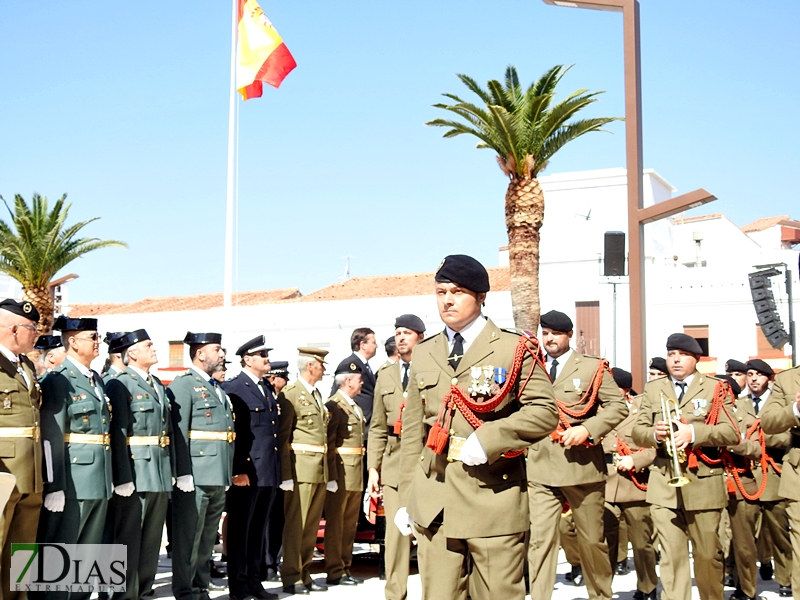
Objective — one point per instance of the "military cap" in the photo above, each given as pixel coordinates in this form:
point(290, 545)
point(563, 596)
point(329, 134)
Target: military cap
point(126, 340)
point(64, 323)
point(317, 353)
point(22, 309)
point(659, 363)
point(113, 335)
point(681, 341)
point(279, 368)
point(257, 344)
point(412, 322)
point(735, 387)
point(622, 378)
point(557, 321)
point(464, 271)
point(734, 366)
point(202, 338)
point(48, 342)
point(759, 365)
point(349, 367)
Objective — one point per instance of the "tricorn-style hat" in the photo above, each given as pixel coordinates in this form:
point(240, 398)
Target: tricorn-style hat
point(682, 341)
point(23, 309)
point(317, 353)
point(622, 378)
point(465, 271)
point(126, 340)
point(759, 365)
point(659, 363)
point(48, 342)
point(557, 321)
point(412, 322)
point(113, 335)
point(202, 338)
point(279, 368)
point(64, 323)
point(257, 344)
point(734, 366)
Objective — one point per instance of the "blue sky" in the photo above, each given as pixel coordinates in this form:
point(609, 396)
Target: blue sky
point(124, 106)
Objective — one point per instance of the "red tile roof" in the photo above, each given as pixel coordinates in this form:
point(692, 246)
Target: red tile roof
point(699, 218)
point(764, 223)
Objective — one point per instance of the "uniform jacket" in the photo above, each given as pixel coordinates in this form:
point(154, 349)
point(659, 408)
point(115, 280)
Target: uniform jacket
point(346, 430)
point(549, 461)
point(70, 404)
point(484, 500)
point(707, 488)
point(197, 407)
point(619, 486)
point(256, 453)
point(140, 409)
point(383, 447)
point(19, 407)
point(365, 398)
point(304, 420)
point(778, 416)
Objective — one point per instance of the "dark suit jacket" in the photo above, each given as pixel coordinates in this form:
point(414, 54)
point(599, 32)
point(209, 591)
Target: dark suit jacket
point(364, 399)
point(256, 450)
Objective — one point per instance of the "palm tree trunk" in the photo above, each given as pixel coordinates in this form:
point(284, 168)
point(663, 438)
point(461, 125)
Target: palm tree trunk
point(40, 297)
point(524, 218)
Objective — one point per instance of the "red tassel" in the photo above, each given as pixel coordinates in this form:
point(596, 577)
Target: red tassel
point(398, 426)
point(731, 487)
point(693, 460)
point(442, 437)
point(433, 436)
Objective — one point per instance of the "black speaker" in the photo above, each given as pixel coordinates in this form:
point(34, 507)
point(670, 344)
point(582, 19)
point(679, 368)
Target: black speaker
point(766, 311)
point(614, 254)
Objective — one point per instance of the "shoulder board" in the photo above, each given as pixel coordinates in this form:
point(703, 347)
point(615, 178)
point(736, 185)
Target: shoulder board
point(386, 365)
point(594, 357)
point(428, 339)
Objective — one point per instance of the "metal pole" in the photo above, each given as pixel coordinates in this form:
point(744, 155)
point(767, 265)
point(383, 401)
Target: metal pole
point(791, 317)
point(614, 353)
point(228, 268)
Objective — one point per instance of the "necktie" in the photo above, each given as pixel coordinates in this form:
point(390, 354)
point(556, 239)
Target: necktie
point(553, 370)
point(458, 351)
point(22, 372)
point(756, 403)
point(683, 390)
point(405, 374)
point(262, 388)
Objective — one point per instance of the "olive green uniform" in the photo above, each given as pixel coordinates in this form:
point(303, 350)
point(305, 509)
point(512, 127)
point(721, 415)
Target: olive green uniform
point(691, 512)
point(470, 521)
point(346, 443)
point(577, 475)
point(20, 455)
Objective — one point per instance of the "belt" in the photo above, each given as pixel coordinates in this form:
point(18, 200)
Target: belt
point(149, 440)
point(310, 448)
point(19, 432)
point(391, 433)
point(214, 436)
point(87, 438)
point(359, 451)
point(795, 439)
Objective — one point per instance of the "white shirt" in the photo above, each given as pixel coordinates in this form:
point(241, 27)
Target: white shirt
point(144, 375)
point(687, 381)
point(764, 397)
point(352, 404)
point(207, 377)
point(468, 333)
point(310, 389)
point(88, 373)
point(562, 360)
point(255, 380)
point(363, 360)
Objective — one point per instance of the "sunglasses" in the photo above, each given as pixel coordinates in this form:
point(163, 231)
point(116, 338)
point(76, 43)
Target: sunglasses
point(92, 337)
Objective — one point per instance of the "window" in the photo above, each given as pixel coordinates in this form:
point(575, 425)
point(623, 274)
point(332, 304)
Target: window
point(587, 327)
point(176, 354)
point(700, 333)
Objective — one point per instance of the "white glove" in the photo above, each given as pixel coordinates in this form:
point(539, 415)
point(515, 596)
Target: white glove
point(403, 521)
point(332, 486)
point(55, 502)
point(185, 483)
point(174, 481)
point(287, 485)
point(125, 490)
point(472, 453)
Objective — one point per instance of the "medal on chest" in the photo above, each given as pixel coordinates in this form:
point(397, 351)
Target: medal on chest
point(486, 381)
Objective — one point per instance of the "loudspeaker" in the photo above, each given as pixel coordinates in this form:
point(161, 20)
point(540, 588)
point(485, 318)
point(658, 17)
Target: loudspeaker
point(766, 311)
point(614, 254)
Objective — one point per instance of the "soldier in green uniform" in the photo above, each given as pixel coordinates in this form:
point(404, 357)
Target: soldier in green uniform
point(346, 444)
point(113, 365)
point(384, 448)
point(75, 433)
point(480, 396)
point(53, 354)
point(782, 413)
point(20, 448)
point(203, 436)
point(305, 466)
point(142, 461)
point(693, 511)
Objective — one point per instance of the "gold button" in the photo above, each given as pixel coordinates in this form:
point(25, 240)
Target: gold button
point(274, 435)
point(201, 452)
point(505, 475)
point(104, 419)
point(422, 458)
point(74, 460)
point(454, 380)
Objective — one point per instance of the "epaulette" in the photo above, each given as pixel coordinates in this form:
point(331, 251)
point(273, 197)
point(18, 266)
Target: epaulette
point(387, 365)
point(426, 340)
point(594, 357)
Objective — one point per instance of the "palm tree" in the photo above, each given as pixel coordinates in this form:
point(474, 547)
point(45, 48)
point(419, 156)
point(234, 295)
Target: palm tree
point(525, 129)
point(41, 246)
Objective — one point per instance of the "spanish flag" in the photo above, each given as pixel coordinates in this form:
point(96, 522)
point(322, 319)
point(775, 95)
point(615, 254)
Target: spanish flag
point(262, 55)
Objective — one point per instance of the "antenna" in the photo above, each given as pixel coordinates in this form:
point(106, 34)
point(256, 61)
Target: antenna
point(346, 275)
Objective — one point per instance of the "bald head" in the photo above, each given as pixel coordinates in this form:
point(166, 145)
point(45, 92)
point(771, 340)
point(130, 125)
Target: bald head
point(17, 333)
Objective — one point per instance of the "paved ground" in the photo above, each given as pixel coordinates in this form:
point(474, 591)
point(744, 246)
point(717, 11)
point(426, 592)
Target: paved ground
point(372, 589)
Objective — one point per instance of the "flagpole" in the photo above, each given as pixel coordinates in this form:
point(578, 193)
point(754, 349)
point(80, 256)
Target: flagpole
point(228, 269)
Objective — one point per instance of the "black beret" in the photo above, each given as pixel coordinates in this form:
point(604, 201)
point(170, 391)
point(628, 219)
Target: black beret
point(735, 387)
point(202, 338)
point(280, 368)
point(557, 321)
point(412, 322)
point(257, 344)
point(464, 271)
point(622, 378)
point(126, 340)
point(64, 323)
point(113, 335)
point(22, 309)
point(349, 367)
point(734, 366)
point(681, 341)
point(759, 365)
point(659, 363)
point(48, 342)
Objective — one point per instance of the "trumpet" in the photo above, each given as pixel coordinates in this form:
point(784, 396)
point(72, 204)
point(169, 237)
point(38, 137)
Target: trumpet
point(670, 412)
